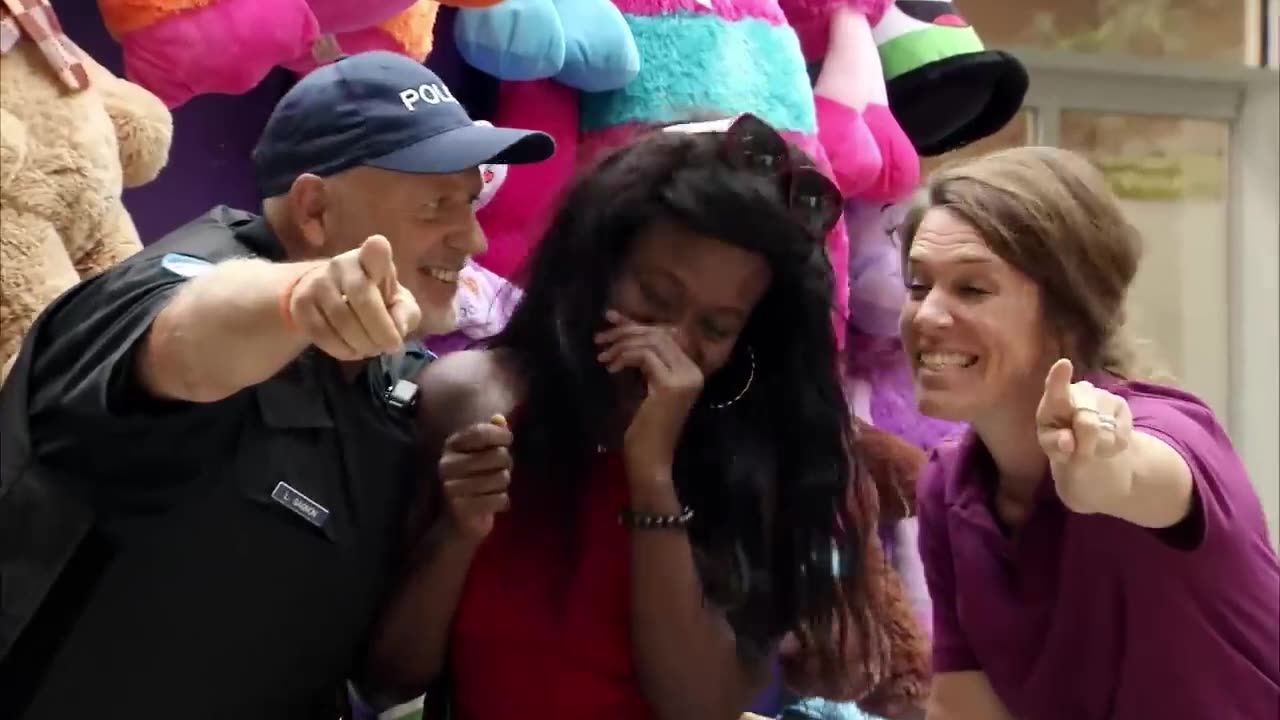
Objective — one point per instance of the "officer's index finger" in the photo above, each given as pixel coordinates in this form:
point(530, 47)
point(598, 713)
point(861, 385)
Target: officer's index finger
point(376, 261)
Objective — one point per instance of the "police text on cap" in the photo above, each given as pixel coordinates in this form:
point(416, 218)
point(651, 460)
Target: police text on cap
point(429, 93)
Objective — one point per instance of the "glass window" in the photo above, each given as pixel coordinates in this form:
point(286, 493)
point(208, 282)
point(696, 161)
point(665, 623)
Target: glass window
point(1271, 35)
point(1199, 30)
point(1171, 175)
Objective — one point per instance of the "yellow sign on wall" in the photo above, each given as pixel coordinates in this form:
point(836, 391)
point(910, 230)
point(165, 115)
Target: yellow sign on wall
point(1168, 178)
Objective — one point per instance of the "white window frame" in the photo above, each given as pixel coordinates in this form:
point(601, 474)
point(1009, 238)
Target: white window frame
point(1248, 99)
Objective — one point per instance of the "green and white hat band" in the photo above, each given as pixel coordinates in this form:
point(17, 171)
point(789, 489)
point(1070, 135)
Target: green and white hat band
point(944, 88)
point(915, 33)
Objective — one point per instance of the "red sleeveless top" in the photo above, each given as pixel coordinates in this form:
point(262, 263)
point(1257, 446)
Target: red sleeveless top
point(526, 645)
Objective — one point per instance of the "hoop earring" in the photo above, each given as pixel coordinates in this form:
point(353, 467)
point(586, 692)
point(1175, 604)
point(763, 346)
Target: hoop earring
point(751, 376)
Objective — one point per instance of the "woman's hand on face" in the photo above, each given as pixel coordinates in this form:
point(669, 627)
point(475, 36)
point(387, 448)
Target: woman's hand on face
point(673, 382)
point(1085, 431)
point(475, 473)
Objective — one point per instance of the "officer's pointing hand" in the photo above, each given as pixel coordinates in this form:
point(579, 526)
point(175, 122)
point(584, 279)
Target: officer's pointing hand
point(353, 307)
point(375, 258)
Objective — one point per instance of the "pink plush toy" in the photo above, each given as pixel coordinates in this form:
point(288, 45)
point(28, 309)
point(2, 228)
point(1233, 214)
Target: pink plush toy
point(181, 48)
point(340, 16)
point(516, 217)
point(855, 125)
point(178, 49)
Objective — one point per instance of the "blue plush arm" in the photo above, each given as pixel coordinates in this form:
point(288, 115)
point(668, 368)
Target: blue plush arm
point(585, 44)
point(513, 40)
point(600, 52)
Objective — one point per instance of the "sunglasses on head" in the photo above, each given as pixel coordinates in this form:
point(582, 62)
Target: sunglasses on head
point(752, 145)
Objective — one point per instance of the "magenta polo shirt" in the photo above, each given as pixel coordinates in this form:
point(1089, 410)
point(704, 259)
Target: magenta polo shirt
point(1086, 617)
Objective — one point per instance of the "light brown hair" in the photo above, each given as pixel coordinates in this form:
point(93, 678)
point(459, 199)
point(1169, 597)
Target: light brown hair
point(1049, 213)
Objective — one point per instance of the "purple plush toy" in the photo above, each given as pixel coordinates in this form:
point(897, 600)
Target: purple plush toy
point(878, 373)
point(878, 377)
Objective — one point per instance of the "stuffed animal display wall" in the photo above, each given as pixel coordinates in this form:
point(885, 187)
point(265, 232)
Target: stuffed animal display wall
point(72, 136)
point(690, 55)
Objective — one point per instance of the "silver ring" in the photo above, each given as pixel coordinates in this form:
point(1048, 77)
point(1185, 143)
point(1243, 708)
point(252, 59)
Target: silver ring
point(1107, 421)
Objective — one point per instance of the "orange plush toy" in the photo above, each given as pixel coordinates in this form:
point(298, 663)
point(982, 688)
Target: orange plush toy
point(896, 655)
point(408, 31)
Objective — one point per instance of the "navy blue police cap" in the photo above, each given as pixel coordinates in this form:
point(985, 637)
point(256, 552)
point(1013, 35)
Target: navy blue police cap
point(383, 110)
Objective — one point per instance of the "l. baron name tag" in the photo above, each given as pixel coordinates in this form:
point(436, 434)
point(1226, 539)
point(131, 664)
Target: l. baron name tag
point(308, 509)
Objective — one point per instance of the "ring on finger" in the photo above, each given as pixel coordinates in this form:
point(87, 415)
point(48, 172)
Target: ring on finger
point(1107, 421)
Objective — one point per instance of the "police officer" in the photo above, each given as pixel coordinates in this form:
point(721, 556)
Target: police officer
point(205, 469)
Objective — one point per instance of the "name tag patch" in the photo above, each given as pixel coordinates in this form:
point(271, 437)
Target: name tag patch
point(186, 266)
point(306, 508)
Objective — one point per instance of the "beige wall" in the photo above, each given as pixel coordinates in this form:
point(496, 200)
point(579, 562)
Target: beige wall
point(1200, 30)
point(1179, 299)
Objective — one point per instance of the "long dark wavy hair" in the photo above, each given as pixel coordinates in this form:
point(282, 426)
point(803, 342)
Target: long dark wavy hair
point(768, 477)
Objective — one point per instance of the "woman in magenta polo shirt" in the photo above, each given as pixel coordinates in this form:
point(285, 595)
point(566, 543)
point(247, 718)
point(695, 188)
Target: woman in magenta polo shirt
point(1094, 547)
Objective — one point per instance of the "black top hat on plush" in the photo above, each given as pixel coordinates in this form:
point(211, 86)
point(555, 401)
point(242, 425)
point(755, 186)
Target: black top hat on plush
point(945, 89)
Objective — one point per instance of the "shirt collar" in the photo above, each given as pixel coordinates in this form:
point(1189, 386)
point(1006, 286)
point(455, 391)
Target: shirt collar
point(974, 476)
point(256, 233)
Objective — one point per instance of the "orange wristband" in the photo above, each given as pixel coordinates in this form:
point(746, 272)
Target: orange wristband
point(286, 298)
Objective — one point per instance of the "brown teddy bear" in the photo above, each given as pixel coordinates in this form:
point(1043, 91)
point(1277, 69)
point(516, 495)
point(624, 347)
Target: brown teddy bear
point(72, 136)
point(897, 653)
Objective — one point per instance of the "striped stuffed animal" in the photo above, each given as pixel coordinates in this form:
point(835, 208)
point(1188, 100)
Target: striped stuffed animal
point(703, 58)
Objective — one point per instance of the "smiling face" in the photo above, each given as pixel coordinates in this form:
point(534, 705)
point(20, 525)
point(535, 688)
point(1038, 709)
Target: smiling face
point(429, 220)
point(704, 288)
point(972, 324)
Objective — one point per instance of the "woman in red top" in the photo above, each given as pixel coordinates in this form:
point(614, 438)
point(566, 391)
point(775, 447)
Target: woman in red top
point(664, 533)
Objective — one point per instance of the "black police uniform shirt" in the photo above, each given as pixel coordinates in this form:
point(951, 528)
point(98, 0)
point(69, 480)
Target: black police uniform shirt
point(239, 550)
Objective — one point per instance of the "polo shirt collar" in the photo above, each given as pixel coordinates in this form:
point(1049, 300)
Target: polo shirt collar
point(974, 478)
point(257, 235)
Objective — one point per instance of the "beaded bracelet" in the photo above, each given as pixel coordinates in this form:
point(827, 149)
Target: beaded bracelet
point(650, 521)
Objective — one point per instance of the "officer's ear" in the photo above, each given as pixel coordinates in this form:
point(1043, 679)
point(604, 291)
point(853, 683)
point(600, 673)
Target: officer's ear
point(308, 201)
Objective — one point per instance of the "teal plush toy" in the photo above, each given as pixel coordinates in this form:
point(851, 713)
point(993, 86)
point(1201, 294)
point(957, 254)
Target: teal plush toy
point(584, 44)
point(945, 89)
